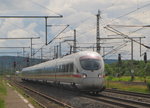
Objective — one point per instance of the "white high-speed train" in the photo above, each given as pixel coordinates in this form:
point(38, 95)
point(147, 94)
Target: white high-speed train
point(83, 70)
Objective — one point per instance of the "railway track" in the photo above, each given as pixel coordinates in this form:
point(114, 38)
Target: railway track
point(46, 102)
point(128, 93)
point(101, 99)
point(118, 102)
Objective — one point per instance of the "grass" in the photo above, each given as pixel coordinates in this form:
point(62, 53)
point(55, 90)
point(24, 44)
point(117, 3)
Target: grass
point(128, 87)
point(3, 93)
point(127, 78)
point(110, 83)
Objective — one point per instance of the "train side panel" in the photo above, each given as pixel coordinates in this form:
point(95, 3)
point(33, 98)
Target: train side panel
point(69, 70)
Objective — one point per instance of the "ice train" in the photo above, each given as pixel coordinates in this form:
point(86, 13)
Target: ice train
point(83, 70)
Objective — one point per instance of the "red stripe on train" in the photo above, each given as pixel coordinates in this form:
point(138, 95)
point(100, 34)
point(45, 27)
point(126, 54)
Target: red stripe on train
point(76, 76)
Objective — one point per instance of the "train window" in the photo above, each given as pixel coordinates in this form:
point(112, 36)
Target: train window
point(67, 67)
point(56, 69)
point(52, 69)
point(90, 64)
point(71, 67)
point(63, 68)
point(59, 68)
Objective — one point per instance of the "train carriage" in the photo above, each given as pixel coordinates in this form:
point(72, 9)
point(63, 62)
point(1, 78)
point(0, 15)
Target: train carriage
point(83, 70)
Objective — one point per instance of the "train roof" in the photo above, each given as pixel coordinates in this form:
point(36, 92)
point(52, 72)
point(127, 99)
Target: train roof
point(70, 57)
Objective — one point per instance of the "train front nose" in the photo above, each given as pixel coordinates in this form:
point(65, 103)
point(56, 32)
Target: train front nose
point(92, 83)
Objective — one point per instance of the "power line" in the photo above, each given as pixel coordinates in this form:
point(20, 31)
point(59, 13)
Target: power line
point(116, 49)
point(23, 38)
point(130, 12)
point(45, 7)
point(10, 52)
point(130, 25)
point(58, 34)
point(30, 16)
point(14, 47)
point(124, 35)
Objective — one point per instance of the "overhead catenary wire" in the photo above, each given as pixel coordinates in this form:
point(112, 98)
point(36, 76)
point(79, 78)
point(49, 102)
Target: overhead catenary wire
point(116, 49)
point(82, 34)
point(130, 12)
point(121, 16)
point(130, 25)
point(124, 35)
point(51, 40)
point(58, 34)
point(45, 7)
point(56, 38)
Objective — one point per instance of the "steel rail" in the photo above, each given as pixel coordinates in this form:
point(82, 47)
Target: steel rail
point(128, 93)
point(45, 96)
point(119, 101)
point(109, 101)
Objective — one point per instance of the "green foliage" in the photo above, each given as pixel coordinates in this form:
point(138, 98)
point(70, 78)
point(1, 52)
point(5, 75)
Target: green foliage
point(109, 78)
point(127, 78)
point(2, 87)
point(2, 93)
point(2, 104)
point(147, 69)
point(109, 70)
point(148, 85)
point(124, 68)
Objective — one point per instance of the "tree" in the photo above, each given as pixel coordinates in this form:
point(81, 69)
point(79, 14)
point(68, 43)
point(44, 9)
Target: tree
point(109, 69)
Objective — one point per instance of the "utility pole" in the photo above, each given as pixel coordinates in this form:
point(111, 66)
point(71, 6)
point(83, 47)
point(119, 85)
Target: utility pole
point(57, 54)
point(74, 46)
point(23, 51)
point(31, 38)
point(132, 67)
point(70, 49)
point(140, 46)
point(54, 52)
point(131, 50)
point(46, 18)
point(31, 48)
point(104, 52)
point(41, 55)
point(46, 30)
point(60, 49)
point(98, 33)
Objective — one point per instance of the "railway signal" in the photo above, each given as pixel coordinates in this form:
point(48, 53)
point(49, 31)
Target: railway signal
point(119, 58)
point(27, 60)
point(14, 64)
point(145, 57)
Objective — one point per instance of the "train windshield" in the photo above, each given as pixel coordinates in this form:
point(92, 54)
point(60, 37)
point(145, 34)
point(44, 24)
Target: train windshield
point(90, 64)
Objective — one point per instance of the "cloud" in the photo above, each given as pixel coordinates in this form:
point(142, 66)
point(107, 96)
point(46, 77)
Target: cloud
point(79, 14)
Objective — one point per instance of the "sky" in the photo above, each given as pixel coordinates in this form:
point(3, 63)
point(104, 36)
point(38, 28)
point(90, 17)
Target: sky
point(79, 15)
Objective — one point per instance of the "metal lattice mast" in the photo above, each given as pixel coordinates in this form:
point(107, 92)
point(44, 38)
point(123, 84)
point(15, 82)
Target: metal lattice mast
point(74, 46)
point(98, 33)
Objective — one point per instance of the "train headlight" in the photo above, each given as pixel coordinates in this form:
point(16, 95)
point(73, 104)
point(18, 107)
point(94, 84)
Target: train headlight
point(84, 75)
point(100, 76)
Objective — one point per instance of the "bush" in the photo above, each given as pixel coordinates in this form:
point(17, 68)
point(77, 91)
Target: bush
point(2, 103)
point(148, 85)
point(109, 78)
